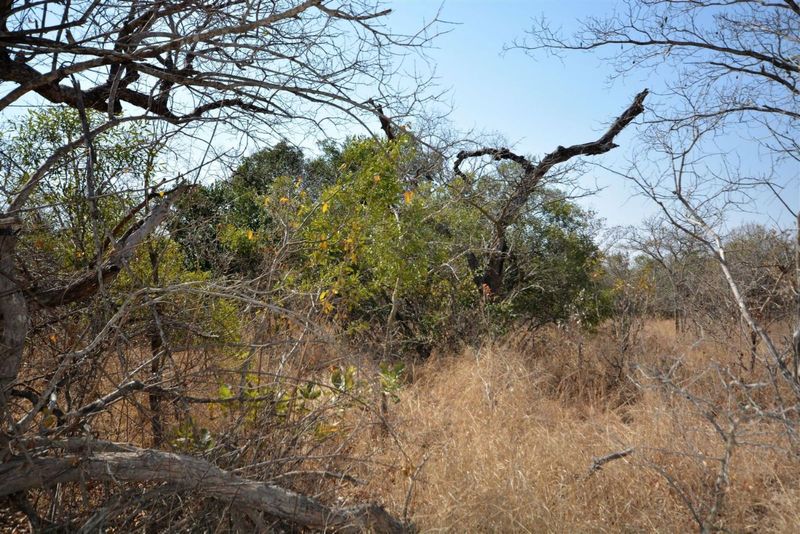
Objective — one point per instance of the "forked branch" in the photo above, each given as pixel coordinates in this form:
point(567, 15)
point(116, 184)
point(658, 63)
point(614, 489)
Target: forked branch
point(532, 175)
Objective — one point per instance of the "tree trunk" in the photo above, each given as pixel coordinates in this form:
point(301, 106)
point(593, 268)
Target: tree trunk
point(157, 358)
point(13, 310)
point(796, 336)
point(493, 276)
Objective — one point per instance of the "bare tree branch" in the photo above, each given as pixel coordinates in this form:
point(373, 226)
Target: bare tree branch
point(532, 175)
point(143, 465)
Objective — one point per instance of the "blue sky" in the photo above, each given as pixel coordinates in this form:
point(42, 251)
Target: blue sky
point(538, 103)
point(535, 103)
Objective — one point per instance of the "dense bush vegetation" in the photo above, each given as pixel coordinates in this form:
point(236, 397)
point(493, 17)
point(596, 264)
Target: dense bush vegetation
point(207, 324)
point(382, 253)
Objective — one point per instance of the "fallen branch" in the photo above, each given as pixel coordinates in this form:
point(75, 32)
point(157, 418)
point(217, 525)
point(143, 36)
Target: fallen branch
point(189, 473)
point(600, 461)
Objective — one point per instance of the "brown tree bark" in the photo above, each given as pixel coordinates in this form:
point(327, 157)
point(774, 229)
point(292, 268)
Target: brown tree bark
point(13, 309)
point(129, 464)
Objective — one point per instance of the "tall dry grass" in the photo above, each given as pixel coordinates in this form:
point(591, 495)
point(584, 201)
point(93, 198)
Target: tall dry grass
point(500, 440)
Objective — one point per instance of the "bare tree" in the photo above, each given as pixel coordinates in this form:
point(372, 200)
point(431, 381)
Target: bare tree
point(676, 260)
point(523, 185)
point(724, 61)
point(728, 65)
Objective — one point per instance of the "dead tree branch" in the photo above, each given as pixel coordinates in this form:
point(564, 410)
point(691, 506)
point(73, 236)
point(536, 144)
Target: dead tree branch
point(599, 461)
point(146, 465)
point(533, 173)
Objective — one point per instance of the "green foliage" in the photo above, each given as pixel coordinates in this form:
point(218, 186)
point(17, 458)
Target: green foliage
point(556, 268)
point(258, 172)
point(391, 377)
point(331, 401)
point(310, 391)
point(218, 318)
point(551, 267)
point(228, 227)
point(382, 254)
point(372, 240)
point(344, 380)
point(60, 236)
point(222, 229)
point(188, 437)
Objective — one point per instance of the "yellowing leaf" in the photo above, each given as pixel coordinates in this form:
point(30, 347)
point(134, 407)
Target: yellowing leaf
point(323, 295)
point(53, 338)
point(225, 391)
point(376, 178)
point(325, 207)
point(323, 430)
point(408, 196)
point(250, 235)
point(267, 201)
point(50, 421)
point(161, 194)
point(323, 245)
point(284, 200)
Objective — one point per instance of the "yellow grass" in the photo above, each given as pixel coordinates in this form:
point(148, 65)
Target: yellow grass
point(500, 439)
point(503, 449)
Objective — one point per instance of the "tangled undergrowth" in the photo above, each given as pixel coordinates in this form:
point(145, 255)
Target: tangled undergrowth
point(500, 438)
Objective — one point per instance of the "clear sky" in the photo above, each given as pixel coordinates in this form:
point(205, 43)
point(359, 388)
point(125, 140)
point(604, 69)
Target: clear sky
point(538, 103)
point(535, 103)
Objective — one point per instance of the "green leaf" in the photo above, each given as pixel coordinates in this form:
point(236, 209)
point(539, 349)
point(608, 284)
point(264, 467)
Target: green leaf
point(225, 392)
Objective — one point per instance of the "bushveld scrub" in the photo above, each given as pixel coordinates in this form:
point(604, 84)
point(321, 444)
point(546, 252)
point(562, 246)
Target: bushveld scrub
point(498, 438)
point(328, 327)
point(415, 329)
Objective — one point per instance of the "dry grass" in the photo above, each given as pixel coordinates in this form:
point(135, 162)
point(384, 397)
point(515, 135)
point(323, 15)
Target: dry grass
point(507, 436)
point(500, 439)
